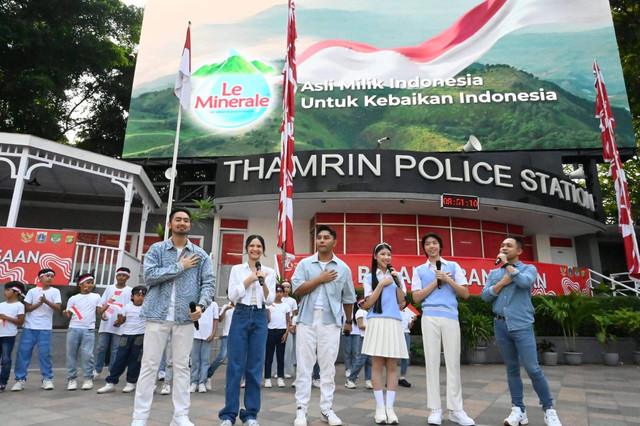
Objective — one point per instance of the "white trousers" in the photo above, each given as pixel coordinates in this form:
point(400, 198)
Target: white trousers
point(155, 339)
point(447, 331)
point(323, 340)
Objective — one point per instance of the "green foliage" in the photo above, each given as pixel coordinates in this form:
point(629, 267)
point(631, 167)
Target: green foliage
point(205, 210)
point(67, 65)
point(629, 321)
point(546, 346)
point(476, 328)
point(417, 353)
point(569, 311)
point(604, 335)
point(159, 230)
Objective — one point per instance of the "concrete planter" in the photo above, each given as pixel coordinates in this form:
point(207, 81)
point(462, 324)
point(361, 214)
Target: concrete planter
point(479, 355)
point(610, 358)
point(573, 358)
point(550, 358)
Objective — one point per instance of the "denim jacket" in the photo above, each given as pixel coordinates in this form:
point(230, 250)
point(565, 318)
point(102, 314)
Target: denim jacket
point(514, 301)
point(162, 270)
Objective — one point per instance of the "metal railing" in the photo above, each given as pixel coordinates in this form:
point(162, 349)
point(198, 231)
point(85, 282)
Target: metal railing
point(98, 260)
point(620, 283)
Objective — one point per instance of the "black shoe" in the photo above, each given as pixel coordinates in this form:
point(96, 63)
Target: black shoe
point(404, 383)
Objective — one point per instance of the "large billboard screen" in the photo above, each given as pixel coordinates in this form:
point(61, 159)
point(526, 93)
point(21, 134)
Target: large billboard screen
point(426, 74)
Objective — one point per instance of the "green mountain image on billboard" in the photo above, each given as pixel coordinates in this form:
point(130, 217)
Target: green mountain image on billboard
point(567, 123)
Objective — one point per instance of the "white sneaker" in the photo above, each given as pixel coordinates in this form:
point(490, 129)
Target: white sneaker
point(193, 387)
point(202, 388)
point(301, 417)
point(368, 384)
point(108, 388)
point(435, 417)
point(280, 383)
point(392, 419)
point(73, 385)
point(166, 389)
point(129, 387)
point(267, 383)
point(461, 418)
point(181, 421)
point(161, 375)
point(96, 375)
point(47, 384)
point(328, 416)
point(551, 418)
point(381, 415)
point(275, 375)
point(316, 383)
point(138, 422)
point(208, 385)
point(226, 423)
point(347, 373)
point(287, 376)
point(87, 385)
point(517, 417)
point(251, 422)
point(350, 385)
point(18, 386)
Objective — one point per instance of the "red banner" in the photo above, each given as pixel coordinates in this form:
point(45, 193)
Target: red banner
point(24, 251)
point(552, 279)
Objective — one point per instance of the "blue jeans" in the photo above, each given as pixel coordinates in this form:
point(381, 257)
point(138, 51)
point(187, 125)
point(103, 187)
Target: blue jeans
point(247, 340)
point(200, 360)
point(129, 356)
point(316, 371)
point(80, 340)
point(6, 342)
point(351, 346)
point(30, 338)
point(106, 342)
point(361, 360)
point(222, 355)
point(404, 362)
point(520, 346)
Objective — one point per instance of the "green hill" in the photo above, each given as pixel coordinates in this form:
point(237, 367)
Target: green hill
point(567, 123)
point(234, 65)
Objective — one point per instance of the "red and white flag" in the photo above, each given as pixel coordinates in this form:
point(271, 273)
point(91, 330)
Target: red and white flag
point(77, 312)
point(183, 82)
point(287, 130)
point(449, 52)
point(616, 171)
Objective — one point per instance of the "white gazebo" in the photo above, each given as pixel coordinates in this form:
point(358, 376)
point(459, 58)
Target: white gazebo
point(38, 173)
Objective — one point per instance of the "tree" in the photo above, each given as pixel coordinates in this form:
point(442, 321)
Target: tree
point(67, 66)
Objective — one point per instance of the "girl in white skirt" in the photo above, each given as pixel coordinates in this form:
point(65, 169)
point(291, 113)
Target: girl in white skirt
point(384, 336)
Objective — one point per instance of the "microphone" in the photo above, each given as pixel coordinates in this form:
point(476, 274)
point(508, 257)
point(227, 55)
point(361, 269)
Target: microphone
point(497, 261)
point(260, 279)
point(438, 266)
point(395, 277)
point(192, 307)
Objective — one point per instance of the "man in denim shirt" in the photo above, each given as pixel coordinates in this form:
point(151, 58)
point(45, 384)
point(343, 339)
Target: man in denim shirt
point(177, 273)
point(324, 284)
point(509, 289)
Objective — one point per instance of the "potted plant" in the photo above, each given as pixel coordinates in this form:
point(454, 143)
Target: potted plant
point(605, 338)
point(629, 321)
point(549, 355)
point(569, 311)
point(476, 330)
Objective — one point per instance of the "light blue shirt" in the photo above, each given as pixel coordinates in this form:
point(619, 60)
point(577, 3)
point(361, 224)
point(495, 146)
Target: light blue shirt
point(335, 293)
point(441, 302)
point(390, 308)
point(514, 301)
point(163, 271)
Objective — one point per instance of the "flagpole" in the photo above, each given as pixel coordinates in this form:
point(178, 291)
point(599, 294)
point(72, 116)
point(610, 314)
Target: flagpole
point(174, 172)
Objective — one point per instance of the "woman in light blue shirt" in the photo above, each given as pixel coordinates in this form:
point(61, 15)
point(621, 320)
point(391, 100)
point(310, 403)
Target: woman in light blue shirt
point(384, 337)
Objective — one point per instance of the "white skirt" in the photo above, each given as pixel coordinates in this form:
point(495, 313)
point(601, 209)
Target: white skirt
point(384, 337)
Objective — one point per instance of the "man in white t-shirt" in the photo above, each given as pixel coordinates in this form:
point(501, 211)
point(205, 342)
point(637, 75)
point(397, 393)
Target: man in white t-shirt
point(225, 317)
point(279, 317)
point(39, 304)
point(11, 316)
point(116, 296)
point(201, 350)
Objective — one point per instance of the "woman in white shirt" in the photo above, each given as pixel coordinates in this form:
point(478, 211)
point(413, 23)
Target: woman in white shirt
point(251, 288)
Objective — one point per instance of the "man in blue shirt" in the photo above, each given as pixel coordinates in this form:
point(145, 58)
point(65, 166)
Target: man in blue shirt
point(324, 284)
point(177, 272)
point(509, 289)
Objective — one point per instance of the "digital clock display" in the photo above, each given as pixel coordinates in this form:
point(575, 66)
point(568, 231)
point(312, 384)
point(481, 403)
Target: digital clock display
point(463, 202)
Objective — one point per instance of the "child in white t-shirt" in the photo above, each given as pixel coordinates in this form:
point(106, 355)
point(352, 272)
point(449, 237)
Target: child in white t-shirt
point(116, 297)
point(81, 310)
point(129, 354)
point(11, 316)
point(201, 350)
point(279, 317)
